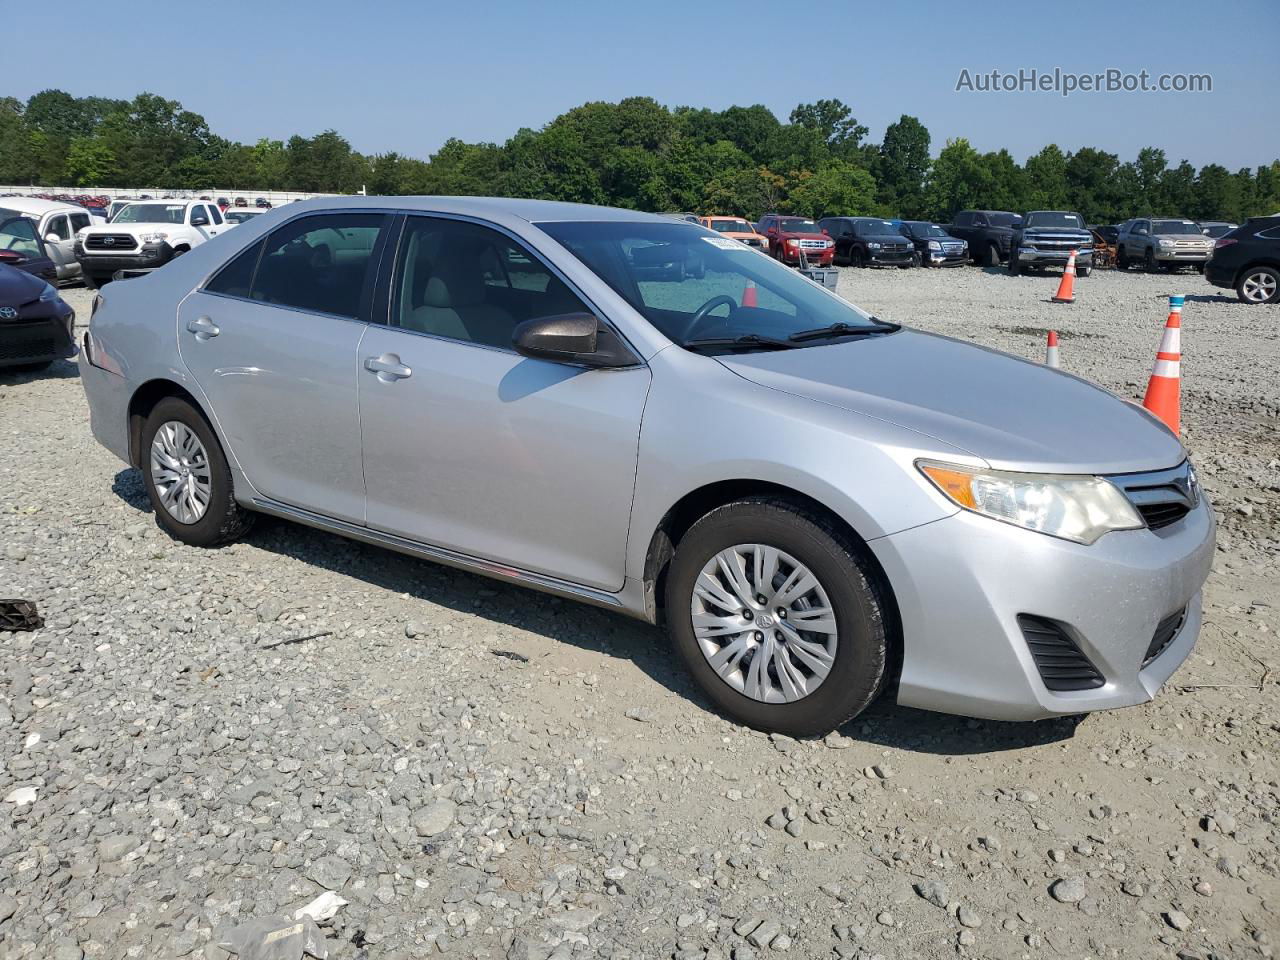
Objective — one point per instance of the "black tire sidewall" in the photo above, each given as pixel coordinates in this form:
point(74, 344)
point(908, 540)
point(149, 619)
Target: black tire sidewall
point(861, 656)
point(212, 527)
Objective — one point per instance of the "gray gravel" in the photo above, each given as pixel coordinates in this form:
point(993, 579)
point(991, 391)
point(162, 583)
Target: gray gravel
point(461, 761)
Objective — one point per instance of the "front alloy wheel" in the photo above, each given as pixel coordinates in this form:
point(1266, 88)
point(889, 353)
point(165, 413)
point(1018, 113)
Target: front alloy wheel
point(180, 472)
point(779, 614)
point(764, 623)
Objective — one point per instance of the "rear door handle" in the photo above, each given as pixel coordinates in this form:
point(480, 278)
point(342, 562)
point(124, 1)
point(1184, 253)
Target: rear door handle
point(203, 328)
point(388, 367)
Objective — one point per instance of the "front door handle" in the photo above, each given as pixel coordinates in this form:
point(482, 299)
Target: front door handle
point(203, 328)
point(388, 368)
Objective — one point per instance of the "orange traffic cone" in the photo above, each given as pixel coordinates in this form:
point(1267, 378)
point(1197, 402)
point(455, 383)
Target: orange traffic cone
point(1051, 350)
point(1164, 389)
point(1066, 289)
point(749, 295)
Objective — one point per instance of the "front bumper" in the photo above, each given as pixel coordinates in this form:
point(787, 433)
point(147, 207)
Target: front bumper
point(890, 258)
point(35, 339)
point(1181, 256)
point(816, 258)
point(1057, 258)
point(105, 264)
point(940, 258)
point(962, 582)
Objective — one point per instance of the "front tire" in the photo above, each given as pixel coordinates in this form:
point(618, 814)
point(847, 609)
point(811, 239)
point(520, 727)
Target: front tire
point(187, 477)
point(1013, 265)
point(1083, 271)
point(778, 616)
point(992, 256)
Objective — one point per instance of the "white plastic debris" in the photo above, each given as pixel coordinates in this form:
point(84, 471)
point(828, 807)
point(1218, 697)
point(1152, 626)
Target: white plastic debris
point(322, 908)
point(21, 796)
point(271, 938)
point(31, 741)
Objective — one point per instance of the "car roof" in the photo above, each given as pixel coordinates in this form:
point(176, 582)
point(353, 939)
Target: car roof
point(532, 211)
point(40, 206)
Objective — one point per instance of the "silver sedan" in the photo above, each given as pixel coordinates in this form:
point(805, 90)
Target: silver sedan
point(641, 414)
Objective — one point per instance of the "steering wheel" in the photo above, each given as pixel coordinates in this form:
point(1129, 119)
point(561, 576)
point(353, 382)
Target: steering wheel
point(701, 313)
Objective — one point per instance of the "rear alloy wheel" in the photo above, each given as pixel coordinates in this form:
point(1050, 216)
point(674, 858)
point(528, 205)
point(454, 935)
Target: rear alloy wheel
point(1259, 285)
point(777, 616)
point(187, 477)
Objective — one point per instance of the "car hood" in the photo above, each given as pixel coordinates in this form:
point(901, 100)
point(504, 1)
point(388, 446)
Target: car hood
point(17, 287)
point(1012, 413)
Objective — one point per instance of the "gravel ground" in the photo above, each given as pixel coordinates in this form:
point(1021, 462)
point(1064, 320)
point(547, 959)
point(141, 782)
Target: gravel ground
point(479, 771)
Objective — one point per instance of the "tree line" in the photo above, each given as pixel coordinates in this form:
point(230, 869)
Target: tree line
point(636, 153)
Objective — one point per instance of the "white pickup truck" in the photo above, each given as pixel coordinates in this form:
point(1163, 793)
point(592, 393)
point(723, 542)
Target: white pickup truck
point(145, 234)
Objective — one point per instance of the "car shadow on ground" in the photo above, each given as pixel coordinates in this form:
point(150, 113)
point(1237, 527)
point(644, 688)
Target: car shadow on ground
point(1211, 298)
point(595, 629)
point(58, 370)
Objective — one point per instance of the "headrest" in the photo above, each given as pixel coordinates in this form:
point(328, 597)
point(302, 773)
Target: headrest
point(456, 283)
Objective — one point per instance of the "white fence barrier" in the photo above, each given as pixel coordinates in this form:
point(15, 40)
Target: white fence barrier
point(274, 197)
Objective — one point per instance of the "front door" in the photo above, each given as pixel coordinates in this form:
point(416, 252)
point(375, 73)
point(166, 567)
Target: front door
point(273, 341)
point(472, 447)
point(60, 242)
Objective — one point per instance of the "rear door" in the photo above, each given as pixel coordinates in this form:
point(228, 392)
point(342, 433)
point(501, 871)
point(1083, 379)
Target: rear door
point(471, 447)
point(272, 339)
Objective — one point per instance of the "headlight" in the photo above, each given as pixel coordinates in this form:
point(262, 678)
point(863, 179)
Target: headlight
point(934, 245)
point(81, 232)
point(872, 245)
point(1078, 508)
point(1166, 243)
point(155, 237)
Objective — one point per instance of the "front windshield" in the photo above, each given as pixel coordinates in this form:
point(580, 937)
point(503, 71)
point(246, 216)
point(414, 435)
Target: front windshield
point(1166, 227)
point(151, 213)
point(795, 225)
point(874, 228)
point(692, 284)
point(1006, 220)
point(1067, 221)
point(731, 226)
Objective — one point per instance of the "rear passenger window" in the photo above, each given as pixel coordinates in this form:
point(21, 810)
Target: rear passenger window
point(322, 263)
point(236, 277)
point(79, 221)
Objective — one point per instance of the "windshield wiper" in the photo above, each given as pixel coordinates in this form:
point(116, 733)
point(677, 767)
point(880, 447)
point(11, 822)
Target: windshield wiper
point(845, 330)
point(745, 341)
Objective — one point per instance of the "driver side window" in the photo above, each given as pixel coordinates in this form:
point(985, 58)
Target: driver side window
point(464, 281)
point(18, 235)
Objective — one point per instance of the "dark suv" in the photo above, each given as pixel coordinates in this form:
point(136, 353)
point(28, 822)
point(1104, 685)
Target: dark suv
point(1248, 259)
point(934, 246)
point(868, 242)
point(989, 233)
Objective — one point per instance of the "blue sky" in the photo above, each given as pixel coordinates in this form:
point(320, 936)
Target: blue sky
point(403, 75)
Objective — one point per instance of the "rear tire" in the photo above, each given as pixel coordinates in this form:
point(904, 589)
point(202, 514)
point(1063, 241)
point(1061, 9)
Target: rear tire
point(1122, 261)
point(1149, 261)
point(220, 520)
point(842, 576)
point(1259, 285)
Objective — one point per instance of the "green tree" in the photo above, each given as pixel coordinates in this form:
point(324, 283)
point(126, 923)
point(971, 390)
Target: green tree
point(903, 166)
point(834, 122)
point(1046, 184)
point(840, 189)
point(90, 163)
point(1091, 187)
point(959, 179)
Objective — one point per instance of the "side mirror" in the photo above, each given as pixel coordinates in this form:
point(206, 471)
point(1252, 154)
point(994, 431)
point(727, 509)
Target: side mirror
point(52, 238)
point(824, 232)
point(567, 338)
point(199, 220)
point(772, 231)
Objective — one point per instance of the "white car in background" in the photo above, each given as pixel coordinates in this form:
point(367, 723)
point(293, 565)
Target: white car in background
point(235, 215)
point(144, 235)
point(58, 224)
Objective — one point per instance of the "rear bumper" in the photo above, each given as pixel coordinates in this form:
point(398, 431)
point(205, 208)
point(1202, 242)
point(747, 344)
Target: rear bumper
point(105, 264)
point(37, 339)
point(108, 395)
point(962, 582)
point(1220, 275)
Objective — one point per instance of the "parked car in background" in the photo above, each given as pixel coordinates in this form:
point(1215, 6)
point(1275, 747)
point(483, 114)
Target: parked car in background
point(817, 504)
point(1047, 239)
point(223, 203)
point(57, 222)
point(868, 242)
point(934, 247)
point(240, 215)
point(145, 235)
point(36, 325)
point(22, 246)
point(1248, 260)
point(989, 234)
point(736, 228)
point(1213, 229)
point(1110, 232)
point(789, 237)
point(262, 203)
point(241, 202)
point(1162, 244)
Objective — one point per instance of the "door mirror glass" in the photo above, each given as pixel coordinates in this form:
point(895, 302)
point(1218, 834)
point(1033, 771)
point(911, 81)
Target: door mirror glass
point(199, 220)
point(568, 338)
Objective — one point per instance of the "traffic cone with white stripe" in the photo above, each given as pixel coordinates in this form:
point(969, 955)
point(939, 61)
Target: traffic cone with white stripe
point(1066, 289)
point(1051, 350)
point(749, 295)
point(1164, 389)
